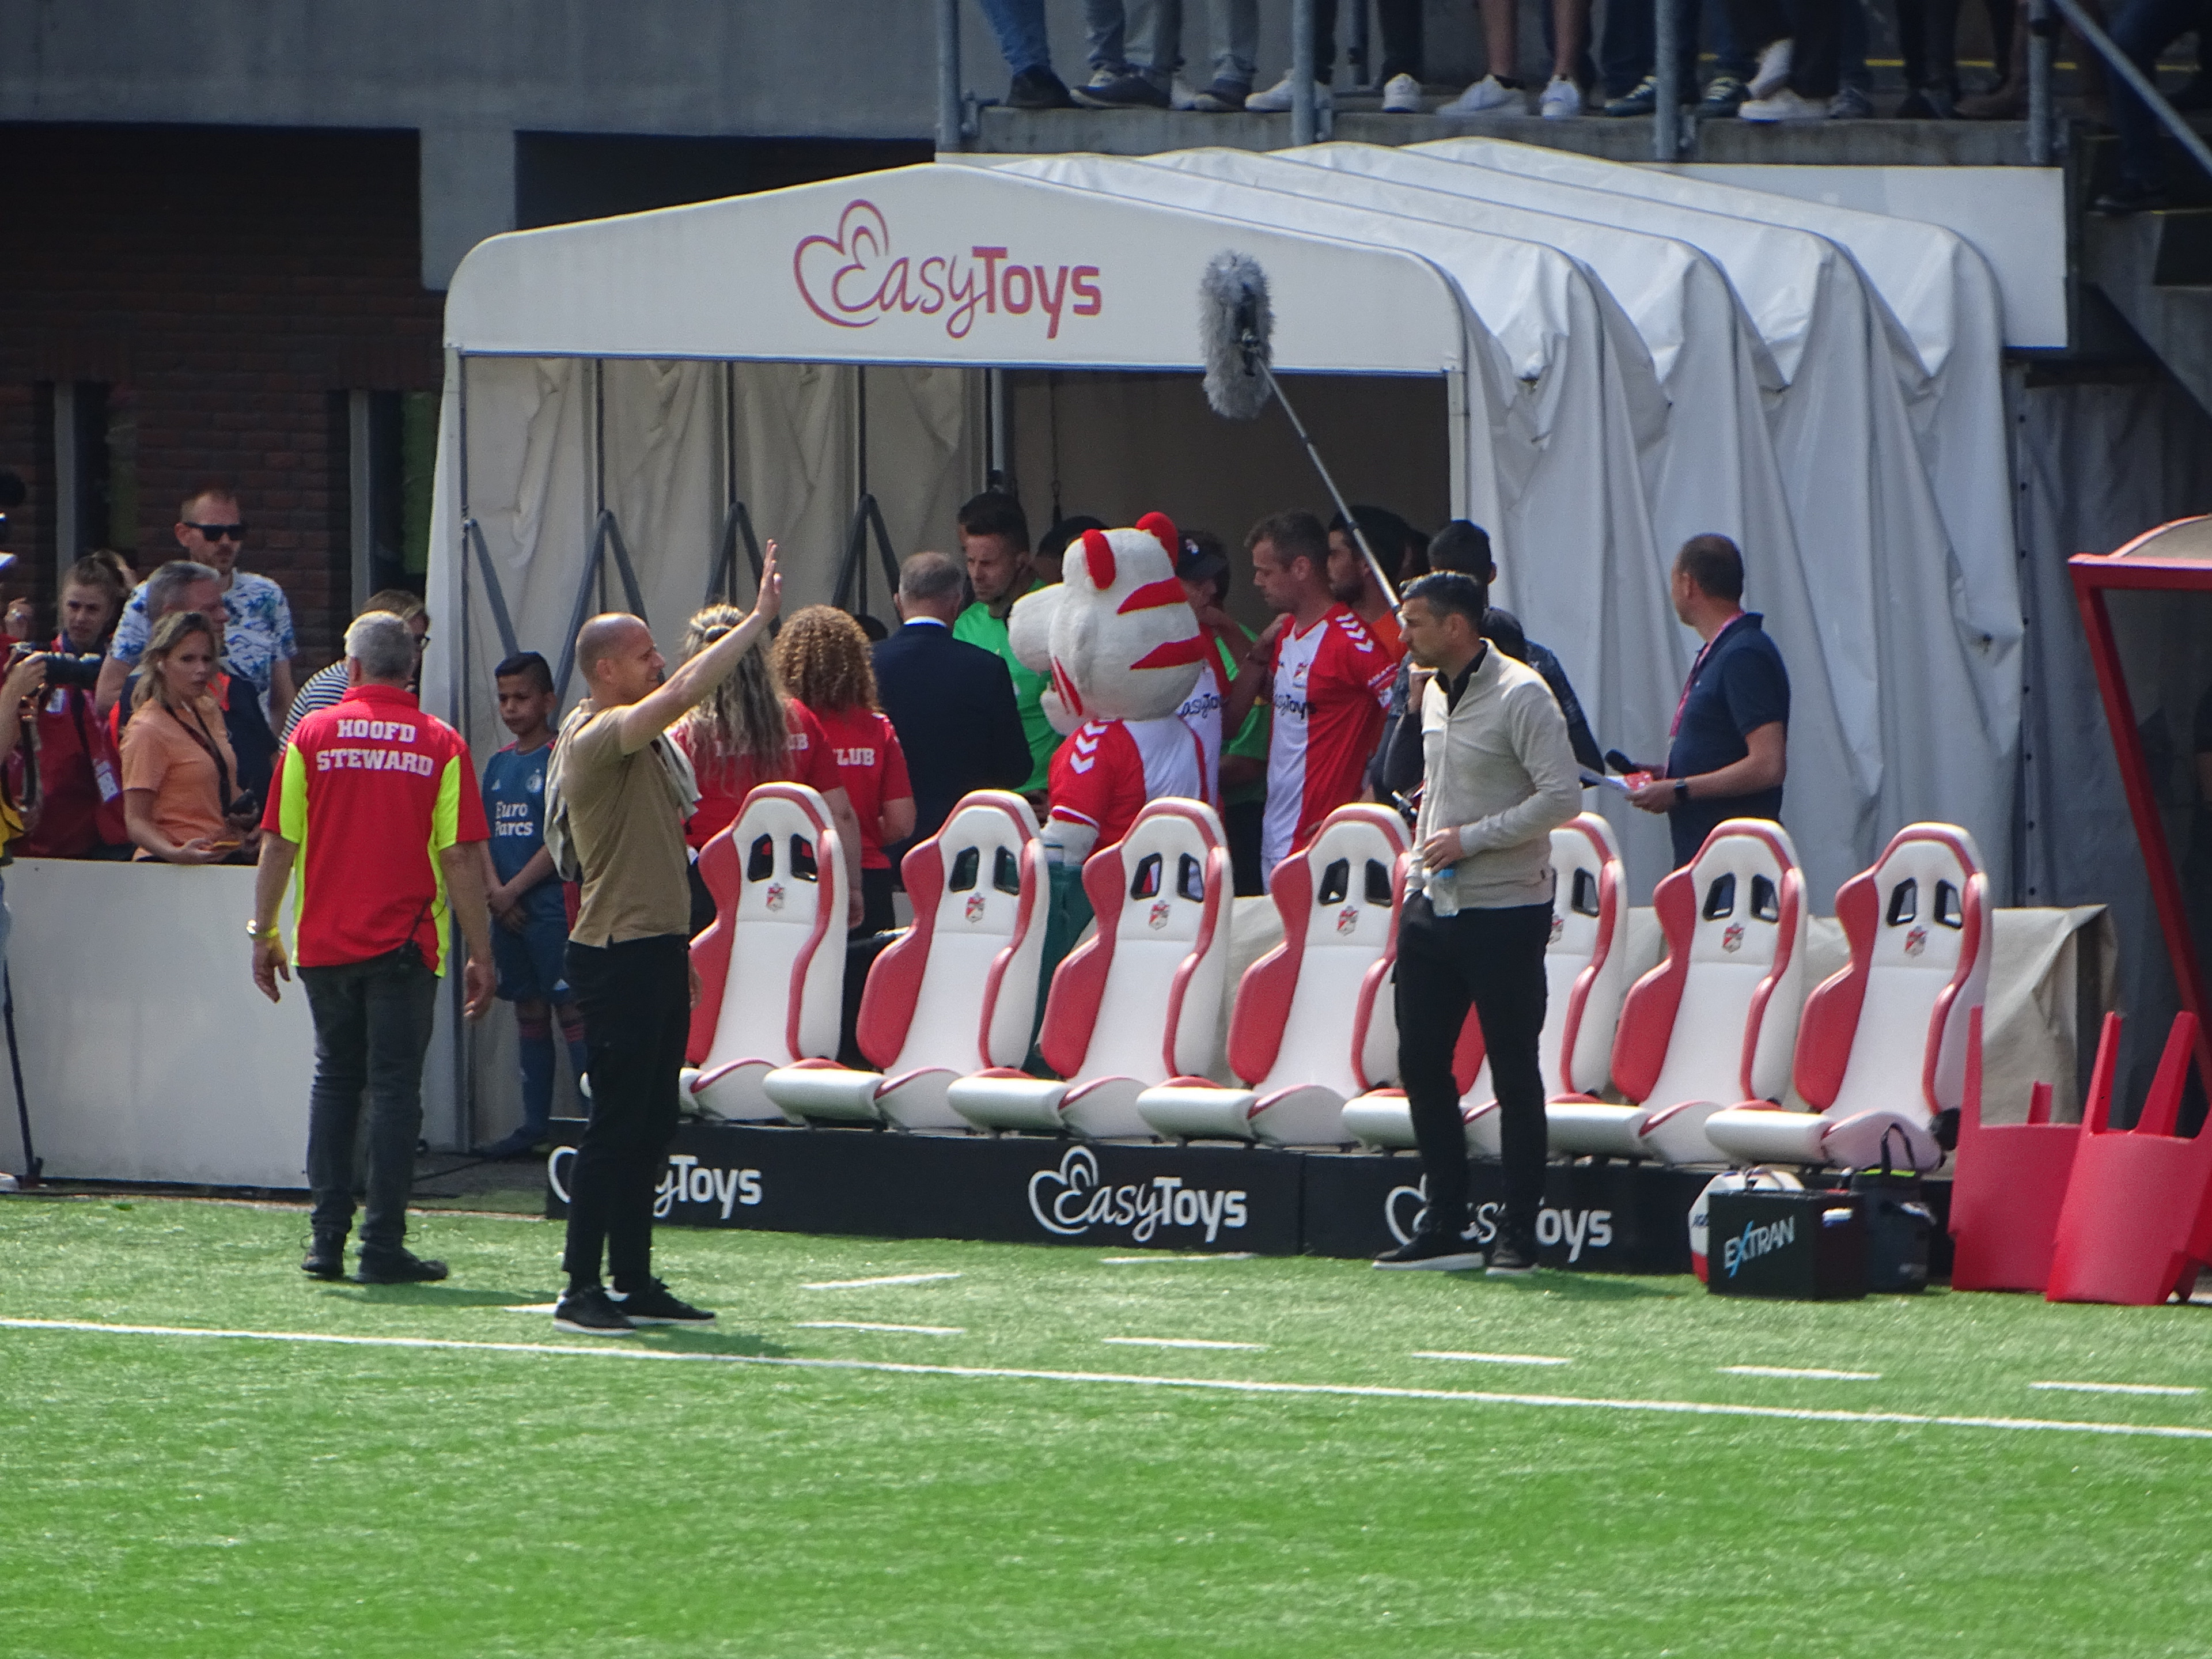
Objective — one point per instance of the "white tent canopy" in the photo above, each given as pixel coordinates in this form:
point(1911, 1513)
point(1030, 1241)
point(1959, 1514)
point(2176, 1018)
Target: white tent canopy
point(615, 389)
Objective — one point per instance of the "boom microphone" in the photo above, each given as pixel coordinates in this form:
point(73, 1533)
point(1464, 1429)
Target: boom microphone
point(1234, 324)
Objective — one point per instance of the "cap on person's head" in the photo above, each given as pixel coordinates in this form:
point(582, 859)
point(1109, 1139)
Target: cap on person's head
point(1200, 562)
point(1464, 547)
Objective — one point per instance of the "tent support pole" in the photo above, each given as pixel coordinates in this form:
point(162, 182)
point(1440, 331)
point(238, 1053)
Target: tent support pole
point(948, 76)
point(1301, 74)
point(1456, 430)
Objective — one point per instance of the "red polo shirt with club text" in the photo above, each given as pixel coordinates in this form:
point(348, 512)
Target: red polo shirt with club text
point(371, 791)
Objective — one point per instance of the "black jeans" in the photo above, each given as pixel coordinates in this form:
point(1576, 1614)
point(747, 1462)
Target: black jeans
point(371, 1029)
point(636, 998)
point(1493, 959)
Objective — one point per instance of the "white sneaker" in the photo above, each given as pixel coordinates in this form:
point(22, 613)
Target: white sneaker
point(1773, 70)
point(1401, 95)
point(1104, 76)
point(1562, 100)
point(1785, 105)
point(1484, 95)
point(1276, 97)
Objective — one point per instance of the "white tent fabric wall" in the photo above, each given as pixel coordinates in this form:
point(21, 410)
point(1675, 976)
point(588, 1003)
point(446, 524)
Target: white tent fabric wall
point(1585, 395)
point(1937, 322)
point(1714, 469)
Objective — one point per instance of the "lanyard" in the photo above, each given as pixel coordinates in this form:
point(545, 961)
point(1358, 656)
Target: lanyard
point(1699, 667)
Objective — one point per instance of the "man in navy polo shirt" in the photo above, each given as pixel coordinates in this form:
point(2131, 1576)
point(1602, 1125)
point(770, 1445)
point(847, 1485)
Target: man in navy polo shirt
point(1730, 736)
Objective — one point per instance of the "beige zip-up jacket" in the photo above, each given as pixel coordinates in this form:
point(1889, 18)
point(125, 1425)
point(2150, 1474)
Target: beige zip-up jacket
point(1498, 767)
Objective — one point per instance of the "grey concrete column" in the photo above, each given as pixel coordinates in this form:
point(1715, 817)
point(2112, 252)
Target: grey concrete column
point(467, 194)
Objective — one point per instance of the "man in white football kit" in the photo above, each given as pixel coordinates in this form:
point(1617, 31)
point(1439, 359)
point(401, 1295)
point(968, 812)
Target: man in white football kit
point(1329, 678)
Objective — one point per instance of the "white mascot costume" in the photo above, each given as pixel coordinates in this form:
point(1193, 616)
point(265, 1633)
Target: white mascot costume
point(1123, 649)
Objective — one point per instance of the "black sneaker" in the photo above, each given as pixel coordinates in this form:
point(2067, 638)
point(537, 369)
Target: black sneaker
point(522, 1141)
point(1643, 101)
point(1038, 89)
point(1512, 1258)
point(654, 1305)
point(325, 1257)
point(1130, 91)
point(1224, 97)
point(1724, 96)
point(400, 1266)
point(587, 1312)
point(1434, 1249)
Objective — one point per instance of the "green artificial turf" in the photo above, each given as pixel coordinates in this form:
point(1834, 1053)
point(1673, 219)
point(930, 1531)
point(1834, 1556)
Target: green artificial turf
point(161, 1495)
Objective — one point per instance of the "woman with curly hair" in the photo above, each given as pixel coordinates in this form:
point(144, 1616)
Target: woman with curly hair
point(822, 658)
point(748, 733)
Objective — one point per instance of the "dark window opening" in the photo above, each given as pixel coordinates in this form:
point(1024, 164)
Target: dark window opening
point(802, 859)
point(1146, 883)
point(1720, 899)
point(1190, 879)
point(1765, 901)
point(760, 862)
point(1904, 902)
point(1006, 872)
point(966, 868)
point(1378, 882)
point(1949, 912)
point(1583, 899)
point(1335, 883)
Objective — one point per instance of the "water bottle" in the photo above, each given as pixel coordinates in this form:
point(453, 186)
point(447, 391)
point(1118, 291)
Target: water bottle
point(1443, 888)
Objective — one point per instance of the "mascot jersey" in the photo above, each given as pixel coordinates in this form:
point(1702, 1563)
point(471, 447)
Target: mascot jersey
point(1105, 773)
point(1332, 683)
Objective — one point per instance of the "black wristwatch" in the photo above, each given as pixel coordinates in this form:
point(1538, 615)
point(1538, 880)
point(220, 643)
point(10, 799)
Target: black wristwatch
point(1681, 790)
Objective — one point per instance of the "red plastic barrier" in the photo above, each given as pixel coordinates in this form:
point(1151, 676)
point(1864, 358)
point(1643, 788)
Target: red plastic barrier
point(2009, 1180)
point(2136, 1226)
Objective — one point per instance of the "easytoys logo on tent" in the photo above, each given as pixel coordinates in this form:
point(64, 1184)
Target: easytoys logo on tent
point(855, 279)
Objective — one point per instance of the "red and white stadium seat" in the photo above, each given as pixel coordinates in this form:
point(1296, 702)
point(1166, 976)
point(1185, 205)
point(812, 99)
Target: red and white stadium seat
point(1138, 1002)
point(1313, 1023)
point(1882, 1046)
point(1586, 971)
point(1715, 1021)
point(771, 967)
point(957, 992)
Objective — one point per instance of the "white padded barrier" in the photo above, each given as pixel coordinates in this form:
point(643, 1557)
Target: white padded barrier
point(957, 993)
point(1138, 1002)
point(772, 965)
point(1715, 1021)
point(1586, 976)
point(1881, 1046)
point(1313, 1023)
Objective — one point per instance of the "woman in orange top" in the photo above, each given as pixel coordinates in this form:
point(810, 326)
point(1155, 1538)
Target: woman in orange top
point(822, 657)
point(178, 773)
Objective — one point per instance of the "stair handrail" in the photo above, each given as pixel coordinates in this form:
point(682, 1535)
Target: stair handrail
point(2043, 28)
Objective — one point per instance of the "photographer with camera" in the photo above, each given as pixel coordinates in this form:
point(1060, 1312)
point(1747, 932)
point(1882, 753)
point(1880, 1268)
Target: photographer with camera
point(180, 794)
point(80, 813)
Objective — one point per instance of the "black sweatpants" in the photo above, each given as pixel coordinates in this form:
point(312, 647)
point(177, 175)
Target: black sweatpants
point(636, 998)
point(1494, 960)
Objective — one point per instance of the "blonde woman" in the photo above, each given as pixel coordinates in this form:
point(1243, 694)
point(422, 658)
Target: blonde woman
point(746, 733)
point(823, 659)
point(179, 777)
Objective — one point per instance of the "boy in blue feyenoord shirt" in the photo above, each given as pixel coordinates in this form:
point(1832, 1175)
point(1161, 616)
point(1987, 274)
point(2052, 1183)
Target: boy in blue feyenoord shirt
point(531, 936)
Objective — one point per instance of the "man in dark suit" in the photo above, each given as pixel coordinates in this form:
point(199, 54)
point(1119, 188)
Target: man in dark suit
point(952, 703)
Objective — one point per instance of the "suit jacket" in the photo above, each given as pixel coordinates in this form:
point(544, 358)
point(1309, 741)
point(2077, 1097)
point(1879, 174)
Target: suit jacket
point(953, 706)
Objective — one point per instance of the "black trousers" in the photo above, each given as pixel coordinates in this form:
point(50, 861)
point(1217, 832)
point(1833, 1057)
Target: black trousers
point(371, 1029)
point(636, 998)
point(1494, 960)
point(1814, 27)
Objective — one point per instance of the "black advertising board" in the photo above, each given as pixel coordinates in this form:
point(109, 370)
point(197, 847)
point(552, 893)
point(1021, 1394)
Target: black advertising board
point(1012, 1189)
point(1617, 1218)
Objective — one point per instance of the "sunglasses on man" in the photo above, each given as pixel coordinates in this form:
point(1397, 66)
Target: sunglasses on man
point(218, 532)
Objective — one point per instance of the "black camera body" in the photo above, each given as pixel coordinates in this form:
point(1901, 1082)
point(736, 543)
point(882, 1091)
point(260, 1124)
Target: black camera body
point(71, 672)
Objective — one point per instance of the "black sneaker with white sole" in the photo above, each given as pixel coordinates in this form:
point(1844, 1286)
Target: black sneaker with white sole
point(655, 1305)
point(400, 1266)
point(587, 1312)
point(1512, 1258)
point(1434, 1249)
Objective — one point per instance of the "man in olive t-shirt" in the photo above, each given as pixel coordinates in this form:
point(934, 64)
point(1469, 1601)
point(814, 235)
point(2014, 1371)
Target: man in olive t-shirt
point(620, 784)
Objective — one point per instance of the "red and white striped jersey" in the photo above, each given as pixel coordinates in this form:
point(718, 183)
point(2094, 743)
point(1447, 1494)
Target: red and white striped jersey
point(1332, 683)
point(1104, 774)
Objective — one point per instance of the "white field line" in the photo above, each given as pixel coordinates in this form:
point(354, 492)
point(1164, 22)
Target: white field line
point(889, 1279)
point(531, 1307)
point(1181, 1342)
point(2116, 1387)
point(1494, 1359)
point(1784, 1371)
point(1162, 1256)
point(1223, 1385)
point(862, 1325)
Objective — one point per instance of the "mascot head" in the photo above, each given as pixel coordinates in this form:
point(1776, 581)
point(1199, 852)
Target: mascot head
point(1116, 636)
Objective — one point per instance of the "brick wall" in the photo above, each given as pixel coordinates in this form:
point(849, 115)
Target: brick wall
point(237, 281)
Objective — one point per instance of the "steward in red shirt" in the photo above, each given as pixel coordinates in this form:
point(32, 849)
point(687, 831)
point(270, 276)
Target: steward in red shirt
point(376, 808)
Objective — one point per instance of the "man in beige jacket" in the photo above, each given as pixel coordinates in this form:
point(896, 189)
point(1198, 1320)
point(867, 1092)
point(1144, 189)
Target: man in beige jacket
point(1498, 775)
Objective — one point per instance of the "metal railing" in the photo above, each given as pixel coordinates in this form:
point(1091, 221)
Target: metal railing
point(2118, 62)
